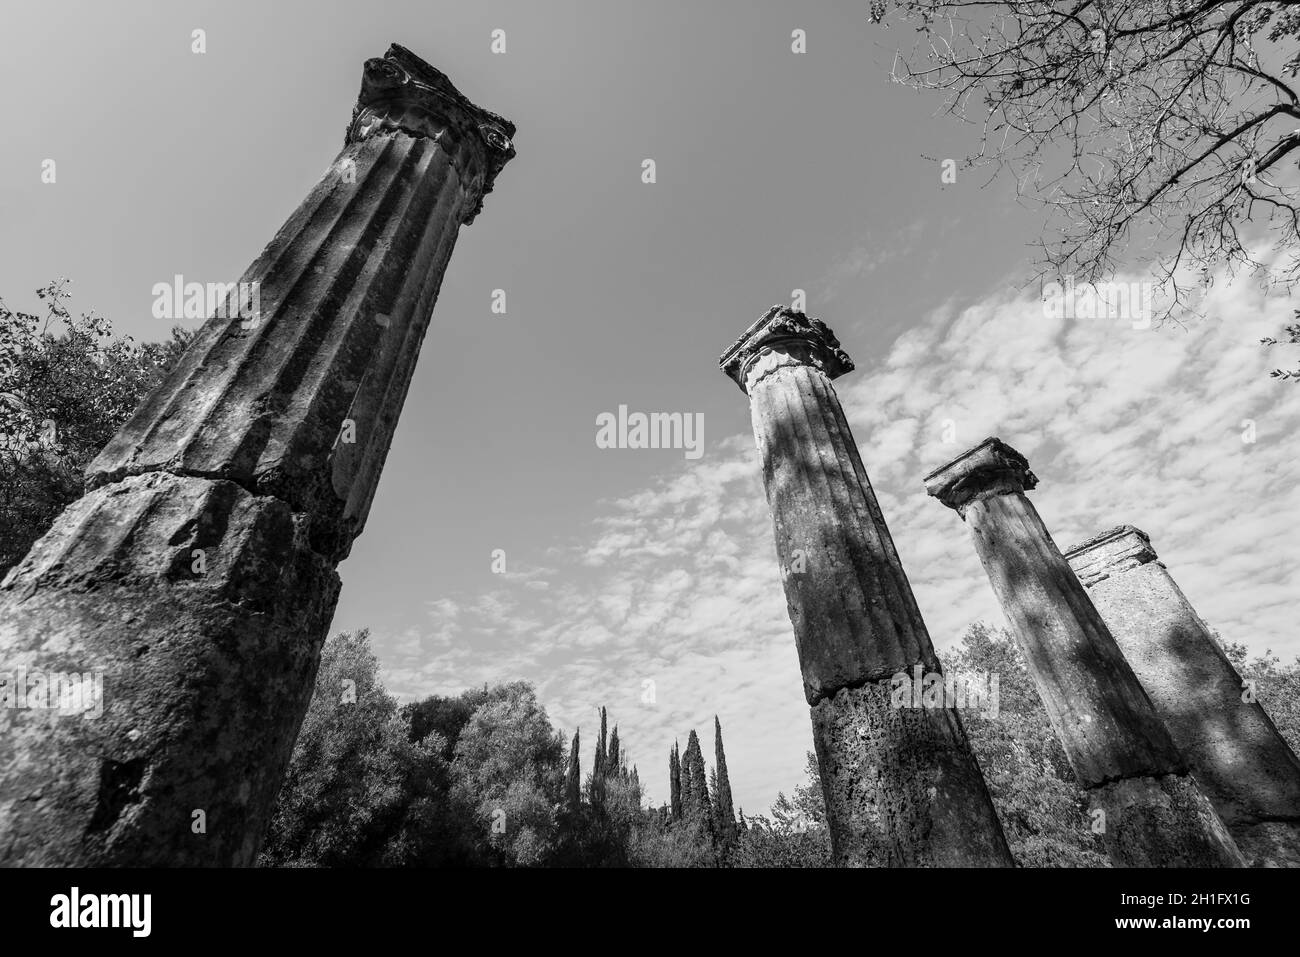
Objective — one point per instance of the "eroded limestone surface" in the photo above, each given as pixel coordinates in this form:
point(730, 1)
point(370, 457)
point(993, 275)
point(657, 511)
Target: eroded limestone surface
point(902, 787)
point(206, 675)
point(899, 781)
point(1243, 764)
point(1120, 750)
point(197, 575)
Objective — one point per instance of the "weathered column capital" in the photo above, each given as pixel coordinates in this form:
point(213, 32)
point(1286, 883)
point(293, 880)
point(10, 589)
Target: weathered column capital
point(1240, 760)
point(1154, 813)
point(901, 785)
point(399, 91)
point(301, 400)
point(1110, 553)
point(990, 468)
point(783, 337)
point(196, 579)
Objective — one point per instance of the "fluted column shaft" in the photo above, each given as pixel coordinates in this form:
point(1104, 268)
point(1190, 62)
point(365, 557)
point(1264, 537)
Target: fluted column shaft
point(1154, 813)
point(1243, 764)
point(196, 576)
point(902, 787)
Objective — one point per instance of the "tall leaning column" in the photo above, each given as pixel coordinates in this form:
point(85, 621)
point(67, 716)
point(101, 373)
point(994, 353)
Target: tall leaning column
point(197, 575)
point(1155, 814)
point(902, 786)
point(1244, 766)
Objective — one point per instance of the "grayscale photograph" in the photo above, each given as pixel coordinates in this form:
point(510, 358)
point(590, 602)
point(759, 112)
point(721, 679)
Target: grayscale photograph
point(797, 439)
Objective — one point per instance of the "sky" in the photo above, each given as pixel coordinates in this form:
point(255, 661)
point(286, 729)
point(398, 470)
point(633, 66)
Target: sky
point(640, 579)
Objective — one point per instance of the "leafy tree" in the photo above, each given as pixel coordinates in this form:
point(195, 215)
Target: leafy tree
point(66, 386)
point(1276, 687)
point(446, 716)
point(684, 843)
point(765, 843)
point(1044, 812)
point(794, 835)
point(588, 837)
point(622, 808)
point(805, 808)
point(1168, 126)
point(359, 792)
point(508, 765)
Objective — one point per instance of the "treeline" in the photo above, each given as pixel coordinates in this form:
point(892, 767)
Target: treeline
point(483, 779)
point(66, 386)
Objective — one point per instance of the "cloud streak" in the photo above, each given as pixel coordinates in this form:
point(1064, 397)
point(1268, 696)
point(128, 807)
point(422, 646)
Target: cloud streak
point(670, 609)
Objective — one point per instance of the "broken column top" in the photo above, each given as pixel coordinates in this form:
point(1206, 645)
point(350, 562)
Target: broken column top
point(990, 468)
point(808, 340)
point(1113, 551)
point(401, 91)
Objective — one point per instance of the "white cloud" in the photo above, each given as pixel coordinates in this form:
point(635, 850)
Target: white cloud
point(678, 584)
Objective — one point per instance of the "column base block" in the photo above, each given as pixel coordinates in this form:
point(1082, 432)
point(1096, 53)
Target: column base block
point(902, 787)
point(1163, 821)
point(206, 674)
point(1268, 843)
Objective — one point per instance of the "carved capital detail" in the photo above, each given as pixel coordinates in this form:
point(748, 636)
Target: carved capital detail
point(990, 468)
point(1110, 553)
point(400, 91)
point(783, 337)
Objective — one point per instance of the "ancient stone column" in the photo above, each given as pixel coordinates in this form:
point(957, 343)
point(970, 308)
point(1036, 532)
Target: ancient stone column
point(1243, 765)
point(197, 575)
point(1154, 815)
point(902, 786)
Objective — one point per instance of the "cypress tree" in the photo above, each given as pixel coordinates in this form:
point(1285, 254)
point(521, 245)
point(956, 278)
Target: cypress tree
point(611, 765)
point(675, 782)
point(726, 819)
point(684, 769)
point(684, 776)
point(634, 785)
point(713, 800)
point(573, 780)
point(598, 768)
point(602, 746)
point(699, 787)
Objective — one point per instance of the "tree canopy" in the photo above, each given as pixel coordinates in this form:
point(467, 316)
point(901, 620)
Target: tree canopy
point(372, 783)
point(66, 386)
point(1164, 131)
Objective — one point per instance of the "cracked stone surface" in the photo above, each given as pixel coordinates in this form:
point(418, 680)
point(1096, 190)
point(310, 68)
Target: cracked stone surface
point(1243, 764)
point(205, 676)
point(907, 791)
point(898, 783)
point(1163, 821)
point(1110, 731)
point(262, 450)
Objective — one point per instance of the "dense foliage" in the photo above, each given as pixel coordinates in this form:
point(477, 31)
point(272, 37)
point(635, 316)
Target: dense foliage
point(484, 779)
point(1044, 812)
point(66, 386)
point(481, 778)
